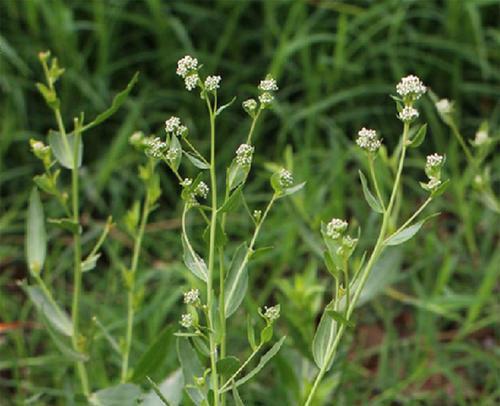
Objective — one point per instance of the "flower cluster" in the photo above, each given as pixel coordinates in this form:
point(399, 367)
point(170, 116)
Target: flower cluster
point(174, 126)
point(368, 140)
point(191, 296)
point(201, 190)
point(336, 228)
point(244, 155)
point(410, 88)
point(444, 106)
point(250, 106)
point(271, 314)
point(285, 178)
point(266, 88)
point(155, 147)
point(186, 182)
point(433, 166)
point(408, 114)
point(187, 68)
point(212, 83)
point(186, 320)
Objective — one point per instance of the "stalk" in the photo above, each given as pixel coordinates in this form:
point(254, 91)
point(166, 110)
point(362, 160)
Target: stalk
point(131, 288)
point(377, 250)
point(211, 256)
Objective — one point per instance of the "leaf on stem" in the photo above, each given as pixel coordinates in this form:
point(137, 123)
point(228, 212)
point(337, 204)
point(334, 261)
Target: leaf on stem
point(291, 190)
point(63, 152)
point(193, 261)
point(370, 199)
point(90, 262)
point(419, 137)
point(36, 237)
point(196, 161)
point(191, 368)
point(228, 365)
point(323, 340)
point(407, 233)
point(225, 106)
point(232, 202)
point(236, 280)
point(125, 394)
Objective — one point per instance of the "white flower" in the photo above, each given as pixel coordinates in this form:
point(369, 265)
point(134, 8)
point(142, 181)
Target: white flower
point(172, 154)
point(172, 124)
point(186, 65)
point(186, 182)
point(250, 105)
point(244, 155)
point(186, 320)
point(444, 106)
point(266, 98)
point(202, 190)
point(408, 114)
point(257, 214)
point(272, 313)
point(191, 296)
point(411, 87)
point(268, 84)
point(433, 183)
point(212, 83)
point(155, 147)
point(336, 227)
point(285, 178)
point(191, 81)
point(481, 137)
point(434, 160)
point(368, 140)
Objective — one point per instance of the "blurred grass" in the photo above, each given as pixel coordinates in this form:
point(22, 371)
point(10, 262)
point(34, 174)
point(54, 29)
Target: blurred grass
point(431, 339)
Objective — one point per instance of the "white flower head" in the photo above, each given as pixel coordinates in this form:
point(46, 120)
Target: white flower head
point(285, 178)
point(172, 154)
point(411, 87)
point(481, 138)
point(272, 313)
point(172, 124)
point(408, 114)
point(249, 106)
point(444, 106)
point(186, 65)
point(212, 83)
point(155, 147)
point(368, 140)
point(186, 182)
point(191, 296)
point(266, 98)
point(186, 320)
point(434, 160)
point(191, 81)
point(268, 84)
point(244, 155)
point(202, 190)
point(336, 227)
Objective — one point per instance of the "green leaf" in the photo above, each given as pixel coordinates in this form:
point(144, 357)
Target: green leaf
point(338, 317)
point(225, 106)
point(236, 397)
point(193, 261)
point(171, 389)
point(330, 264)
point(419, 137)
point(407, 233)
point(323, 340)
point(90, 262)
point(266, 334)
point(115, 105)
point(196, 161)
point(157, 391)
point(291, 190)
point(36, 237)
point(64, 151)
point(228, 365)
point(45, 183)
point(46, 305)
point(125, 394)
point(236, 280)
point(191, 368)
point(262, 363)
point(154, 356)
point(220, 235)
point(236, 174)
point(370, 199)
point(251, 334)
point(67, 224)
point(233, 201)
point(441, 188)
point(174, 143)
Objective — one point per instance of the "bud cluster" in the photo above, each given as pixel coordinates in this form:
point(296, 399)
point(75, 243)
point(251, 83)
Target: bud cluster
point(187, 68)
point(368, 140)
point(244, 155)
point(266, 89)
point(410, 88)
point(285, 178)
point(433, 166)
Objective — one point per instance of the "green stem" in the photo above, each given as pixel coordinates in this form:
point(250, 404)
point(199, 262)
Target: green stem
point(131, 288)
point(252, 127)
point(230, 380)
point(414, 216)
point(461, 141)
point(211, 256)
point(377, 250)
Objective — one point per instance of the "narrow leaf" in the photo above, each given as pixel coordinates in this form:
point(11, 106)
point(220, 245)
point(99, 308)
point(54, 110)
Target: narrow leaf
point(154, 356)
point(225, 106)
point(407, 233)
point(157, 391)
point(323, 340)
point(171, 389)
point(232, 202)
point(338, 317)
point(90, 262)
point(196, 161)
point(191, 368)
point(370, 199)
point(36, 237)
point(193, 261)
point(291, 190)
point(419, 137)
point(236, 280)
point(63, 150)
point(125, 394)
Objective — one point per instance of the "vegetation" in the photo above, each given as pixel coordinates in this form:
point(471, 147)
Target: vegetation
point(91, 311)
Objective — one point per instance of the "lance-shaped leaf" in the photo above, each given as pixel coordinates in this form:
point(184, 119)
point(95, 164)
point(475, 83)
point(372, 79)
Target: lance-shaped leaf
point(323, 340)
point(419, 137)
point(63, 148)
point(36, 237)
point(370, 199)
point(196, 161)
point(291, 190)
point(191, 369)
point(125, 394)
point(193, 261)
point(236, 280)
point(407, 233)
point(225, 106)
